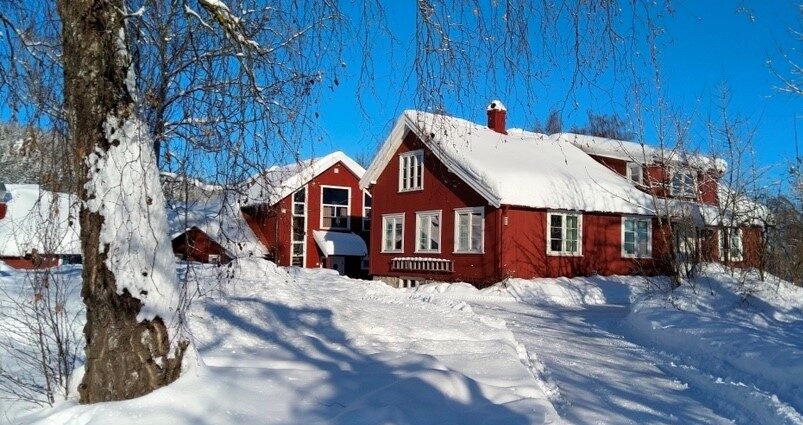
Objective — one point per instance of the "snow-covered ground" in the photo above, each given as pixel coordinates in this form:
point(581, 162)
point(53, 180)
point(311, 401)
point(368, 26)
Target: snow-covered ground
point(720, 348)
point(308, 346)
point(279, 345)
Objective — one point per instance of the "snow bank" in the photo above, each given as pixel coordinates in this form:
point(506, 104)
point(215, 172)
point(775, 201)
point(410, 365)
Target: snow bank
point(735, 328)
point(124, 189)
point(575, 292)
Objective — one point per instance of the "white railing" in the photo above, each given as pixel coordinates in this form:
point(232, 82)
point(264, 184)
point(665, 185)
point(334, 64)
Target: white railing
point(422, 264)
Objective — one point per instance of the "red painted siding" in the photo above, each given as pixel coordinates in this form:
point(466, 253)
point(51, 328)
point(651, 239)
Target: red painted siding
point(3, 209)
point(524, 241)
point(195, 245)
point(442, 191)
point(272, 224)
point(617, 165)
point(29, 263)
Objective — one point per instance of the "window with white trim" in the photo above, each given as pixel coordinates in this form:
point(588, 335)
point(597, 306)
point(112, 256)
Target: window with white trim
point(411, 171)
point(428, 231)
point(636, 237)
point(335, 207)
point(298, 229)
point(469, 226)
point(635, 173)
point(393, 233)
point(366, 211)
point(565, 234)
point(730, 244)
point(683, 184)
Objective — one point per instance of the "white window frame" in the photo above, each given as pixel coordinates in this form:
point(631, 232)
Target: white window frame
point(471, 210)
point(731, 258)
point(348, 208)
point(673, 172)
point(625, 254)
point(629, 172)
point(365, 210)
point(418, 216)
point(417, 167)
point(305, 215)
point(385, 217)
point(563, 252)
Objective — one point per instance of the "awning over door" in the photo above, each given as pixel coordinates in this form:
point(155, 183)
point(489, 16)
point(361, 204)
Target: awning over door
point(339, 243)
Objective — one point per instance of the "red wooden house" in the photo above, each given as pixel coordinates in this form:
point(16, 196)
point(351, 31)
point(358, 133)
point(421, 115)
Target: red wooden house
point(312, 214)
point(454, 200)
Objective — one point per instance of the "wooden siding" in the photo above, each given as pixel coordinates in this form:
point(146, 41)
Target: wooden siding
point(443, 191)
point(195, 245)
point(524, 242)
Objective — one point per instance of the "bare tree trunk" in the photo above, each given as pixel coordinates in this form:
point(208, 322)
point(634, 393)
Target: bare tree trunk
point(126, 356)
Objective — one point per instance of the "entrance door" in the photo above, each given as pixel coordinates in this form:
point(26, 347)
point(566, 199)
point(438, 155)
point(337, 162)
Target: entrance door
point(338, 262)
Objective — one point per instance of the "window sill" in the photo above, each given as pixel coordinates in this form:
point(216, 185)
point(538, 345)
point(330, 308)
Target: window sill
point(563, 254)
point(395, 251)
point(637, 257)
point(417, 189)
point(468, 252)
point(427, 252)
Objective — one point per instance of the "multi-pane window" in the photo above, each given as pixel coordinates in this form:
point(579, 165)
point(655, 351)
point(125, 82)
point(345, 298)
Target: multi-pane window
point(635, 173)
point(335, 208)
point(393, 233)
point(428, 230)
point(683, 184)
point(469, 226)
point(411, 170)
point(299, 226)
point(636, 237)
point(730, 244)
point(565, 234)
point(366, 211)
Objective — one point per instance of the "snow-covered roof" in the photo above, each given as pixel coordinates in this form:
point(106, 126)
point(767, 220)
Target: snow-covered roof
point(640, 153)
point(521, 168)
point(339, 243)
point(39, 220)
point(222, 220)
point(275, 183)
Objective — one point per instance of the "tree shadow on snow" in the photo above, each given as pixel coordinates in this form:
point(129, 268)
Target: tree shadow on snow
point(357, 386)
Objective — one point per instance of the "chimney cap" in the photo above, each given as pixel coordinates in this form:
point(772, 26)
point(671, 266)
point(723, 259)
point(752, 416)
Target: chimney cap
point(496, 105)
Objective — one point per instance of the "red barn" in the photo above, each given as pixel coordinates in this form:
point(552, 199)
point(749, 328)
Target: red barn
point(459, 201)
point(312, 214)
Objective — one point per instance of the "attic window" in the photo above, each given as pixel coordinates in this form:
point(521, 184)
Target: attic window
point(683, 184)
point(411, 171)
point(635, 173)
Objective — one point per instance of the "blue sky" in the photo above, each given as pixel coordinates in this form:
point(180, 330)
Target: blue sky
point(706, 44)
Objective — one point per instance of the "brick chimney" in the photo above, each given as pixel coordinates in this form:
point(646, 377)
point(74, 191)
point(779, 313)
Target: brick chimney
point(496, 116)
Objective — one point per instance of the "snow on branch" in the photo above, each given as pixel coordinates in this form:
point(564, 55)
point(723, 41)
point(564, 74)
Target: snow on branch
point(232, 25)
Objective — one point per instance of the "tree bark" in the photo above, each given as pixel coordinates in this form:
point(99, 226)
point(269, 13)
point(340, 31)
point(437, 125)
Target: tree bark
point(125, 357)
